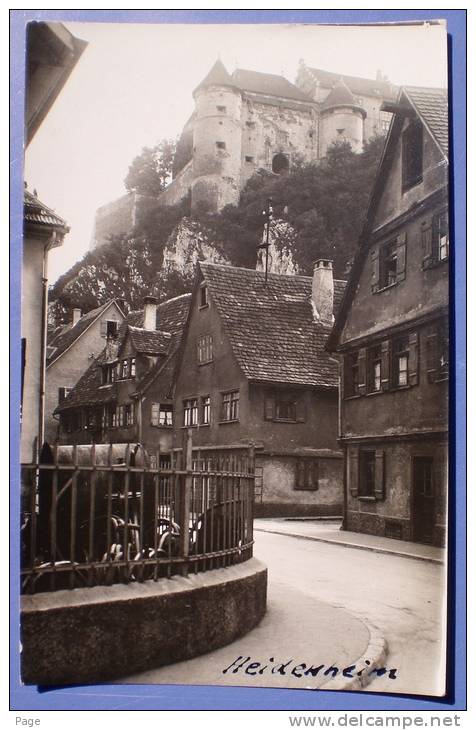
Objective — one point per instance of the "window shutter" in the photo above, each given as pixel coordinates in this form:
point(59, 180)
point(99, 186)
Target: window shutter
point(269, 407)
point(353, 470)
point(362, 361)
point(413, 358)
point(379, 474)
point(103, 326)
point(432, 353)
point(301, 408)
point(401, 256)
point(427, 243)
point(385, 373)
point(61, 395)
point(375, 274)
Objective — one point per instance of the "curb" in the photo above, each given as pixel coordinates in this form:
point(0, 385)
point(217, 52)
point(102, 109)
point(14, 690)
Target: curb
point(373, 658)
point(357, 546)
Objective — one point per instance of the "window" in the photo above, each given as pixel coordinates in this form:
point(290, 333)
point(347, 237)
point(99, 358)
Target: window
point(220, 145)
point(412, 154)
point(248, 158)
point(161, 414)
point(203, 296)
point(125, 369)
point(401, 354)
point(250, 125)
point(109, 328)
point(120, 416)
point(133, 367)
point(221, 109)
point(437, 355)
point(205, 349)
point(206, 410)
point(190, 412)
point(388, 263)
point(375, 369)
point(230, 406)
point(307, 474)
point(129, 414)
point(435, 239)
point(385, 125)
point(63, 393)
point(284, 405)
point(367, 474)
point(355, 373)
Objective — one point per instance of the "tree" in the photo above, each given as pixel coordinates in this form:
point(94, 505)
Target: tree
point(151, 171)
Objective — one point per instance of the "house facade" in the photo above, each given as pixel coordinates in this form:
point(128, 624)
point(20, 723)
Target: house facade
point(253, 369)
point(71, 351)
point(392, 335)
point(125, 395)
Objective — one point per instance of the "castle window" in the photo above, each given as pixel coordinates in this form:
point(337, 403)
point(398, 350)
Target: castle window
point(280, 164)
point(248, 158)
point(412, 155)
point(250, 125)
point(221, 109)
point(220, 145)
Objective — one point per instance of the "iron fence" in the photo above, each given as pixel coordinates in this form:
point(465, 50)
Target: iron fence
point(99, 515)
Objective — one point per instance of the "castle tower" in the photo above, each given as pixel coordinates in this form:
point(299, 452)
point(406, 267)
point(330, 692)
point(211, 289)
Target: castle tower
point(217, 138)
point(341, 119)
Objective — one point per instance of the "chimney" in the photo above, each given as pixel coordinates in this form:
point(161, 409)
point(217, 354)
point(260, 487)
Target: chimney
point(323, 291)
point(150, 313)
point(76, 315)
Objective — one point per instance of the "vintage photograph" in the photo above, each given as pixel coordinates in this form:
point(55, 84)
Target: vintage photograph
point(235, 359)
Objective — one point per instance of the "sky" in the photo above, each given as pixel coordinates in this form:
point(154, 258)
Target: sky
point(133, 87)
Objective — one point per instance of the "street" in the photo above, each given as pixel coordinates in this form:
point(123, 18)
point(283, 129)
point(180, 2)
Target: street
point(321, 598)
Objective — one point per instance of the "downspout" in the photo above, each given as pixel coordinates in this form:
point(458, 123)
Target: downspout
point(44, 328)
point(339, 438)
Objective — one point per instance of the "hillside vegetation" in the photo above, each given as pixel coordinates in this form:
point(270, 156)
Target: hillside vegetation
point(323, 206)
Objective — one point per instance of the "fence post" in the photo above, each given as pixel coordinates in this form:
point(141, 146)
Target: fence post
point(184, 521)
point(250, 491)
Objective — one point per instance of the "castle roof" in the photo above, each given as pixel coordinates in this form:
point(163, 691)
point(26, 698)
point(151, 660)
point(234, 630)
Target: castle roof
point(340, 95)
point(357, 85)
point(267, 84)
point(217, 76)
point(271, 329)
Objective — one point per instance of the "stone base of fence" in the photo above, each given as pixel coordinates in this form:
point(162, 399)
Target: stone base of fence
point(91, 635)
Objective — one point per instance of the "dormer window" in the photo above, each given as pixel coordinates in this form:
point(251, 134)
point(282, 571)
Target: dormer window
point(111, 328)
point(412, 154)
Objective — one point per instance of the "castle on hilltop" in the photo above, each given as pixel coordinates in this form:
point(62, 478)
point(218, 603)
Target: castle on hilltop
point(249, 121)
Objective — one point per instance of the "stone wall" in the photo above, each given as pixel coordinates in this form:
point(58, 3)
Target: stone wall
point(95, 634)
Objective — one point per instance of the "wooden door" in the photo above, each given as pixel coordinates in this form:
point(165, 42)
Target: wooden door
point(423, 500)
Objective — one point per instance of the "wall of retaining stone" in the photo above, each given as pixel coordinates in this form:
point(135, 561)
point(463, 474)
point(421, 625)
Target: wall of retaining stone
point(94, 634)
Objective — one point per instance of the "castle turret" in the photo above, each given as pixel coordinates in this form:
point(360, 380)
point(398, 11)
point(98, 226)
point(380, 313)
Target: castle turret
point(341, 119)
point(216, 140)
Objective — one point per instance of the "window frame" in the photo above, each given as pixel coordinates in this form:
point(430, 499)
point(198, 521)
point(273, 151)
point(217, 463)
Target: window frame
point(190, 412)
point(412, 177)
point(230, 406)
point(306, 474)
point(374, 358)
point(206, 410)
point(204, 349)
point(400, 351)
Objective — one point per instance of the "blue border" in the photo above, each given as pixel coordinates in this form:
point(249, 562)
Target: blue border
point(167, 697)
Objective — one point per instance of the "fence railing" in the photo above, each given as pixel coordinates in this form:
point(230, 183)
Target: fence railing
point(99, 515)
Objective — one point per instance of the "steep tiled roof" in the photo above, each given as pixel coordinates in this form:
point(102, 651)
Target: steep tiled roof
point(268, 84)
point(149, 341)
point(67, 337)
point(172, 315)
point(432, 106)
point(37, 213)
point(272, 330)
point(88, 390)
point(357, 85)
